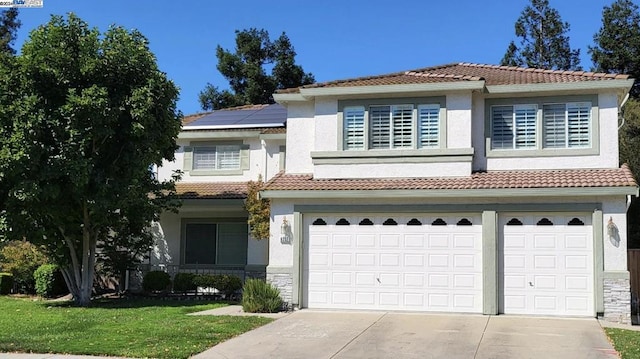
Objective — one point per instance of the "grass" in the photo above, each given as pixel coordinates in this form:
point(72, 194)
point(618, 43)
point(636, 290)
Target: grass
point(626, 342)
point(156, 329)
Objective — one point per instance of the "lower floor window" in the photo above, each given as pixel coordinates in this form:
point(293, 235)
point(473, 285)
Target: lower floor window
point(214, 243)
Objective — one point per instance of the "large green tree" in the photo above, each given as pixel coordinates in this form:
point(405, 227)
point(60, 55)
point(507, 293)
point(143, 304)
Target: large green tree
point(83, 118)
point(616, 49)
point(9, 25)
point(617, 44)
point(246, 71)
point(544, 42)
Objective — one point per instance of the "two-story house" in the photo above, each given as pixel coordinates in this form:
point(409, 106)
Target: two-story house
point(457, 188)
point(219, 153)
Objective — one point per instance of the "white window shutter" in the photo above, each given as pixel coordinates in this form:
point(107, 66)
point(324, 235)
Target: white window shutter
point(428, 126)
point(402, 126)
point(353, 132)
point(555, 126)
point(502, 127)
point(380, 126)
point(578, 124)
point(525, 124)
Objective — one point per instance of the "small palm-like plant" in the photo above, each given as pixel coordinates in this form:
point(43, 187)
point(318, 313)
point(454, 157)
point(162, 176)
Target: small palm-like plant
point(259, 296)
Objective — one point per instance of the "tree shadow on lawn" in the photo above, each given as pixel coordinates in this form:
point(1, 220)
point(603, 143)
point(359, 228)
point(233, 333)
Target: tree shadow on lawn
point(129, 303)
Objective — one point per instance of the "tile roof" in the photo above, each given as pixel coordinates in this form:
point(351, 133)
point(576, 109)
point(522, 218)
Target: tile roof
point(491, 74)
point(211, 190)
point(616, 177)
point(190, 118)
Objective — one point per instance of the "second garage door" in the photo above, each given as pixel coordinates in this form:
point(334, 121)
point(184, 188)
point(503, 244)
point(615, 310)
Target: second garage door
point(391, 262)
point(547, 264)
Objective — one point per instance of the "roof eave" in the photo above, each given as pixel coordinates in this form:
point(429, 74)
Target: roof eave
point(621, 85)
point(306, 94)
point(395, 89)
point(452, 193)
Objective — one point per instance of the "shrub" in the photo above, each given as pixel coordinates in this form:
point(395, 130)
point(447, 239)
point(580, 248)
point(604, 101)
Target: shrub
point(224, 283)
point(156, 281)
point(21, 258)
point(49, 281)
point(228, 284)
point(183, 282)
point(204, 281)
point(6, 283)
point(259, 296)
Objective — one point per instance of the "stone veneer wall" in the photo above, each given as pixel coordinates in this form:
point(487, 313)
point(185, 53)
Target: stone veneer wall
point(617, 300)
point(284, 282)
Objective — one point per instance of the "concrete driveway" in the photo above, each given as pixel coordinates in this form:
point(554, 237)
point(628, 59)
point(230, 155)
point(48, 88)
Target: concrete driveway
point(325, 334)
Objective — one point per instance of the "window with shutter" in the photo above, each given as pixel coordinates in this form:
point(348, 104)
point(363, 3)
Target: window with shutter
point(578, 124)
point(525, 124)
point(567, 125)
point(513, 127)
point(502, 127)
point(380, 124)
point(216, 158)
point(402, 126)
point(555, 126)
point(428, 126)
point(353, 128)
point(375, 127)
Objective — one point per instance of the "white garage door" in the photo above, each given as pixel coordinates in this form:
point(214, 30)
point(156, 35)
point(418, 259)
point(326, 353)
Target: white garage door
point(391, 262)
point(546, 264)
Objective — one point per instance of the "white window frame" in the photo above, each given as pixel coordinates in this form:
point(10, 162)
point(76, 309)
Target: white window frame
point(358, 130)
point(569, 129)
point(217, 153)
point(523, 131)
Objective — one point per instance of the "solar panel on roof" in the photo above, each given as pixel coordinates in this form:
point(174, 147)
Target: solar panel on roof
point(267, 115)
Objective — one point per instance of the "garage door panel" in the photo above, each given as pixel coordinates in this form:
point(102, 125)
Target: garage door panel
point(419, 266)
point(546, 264)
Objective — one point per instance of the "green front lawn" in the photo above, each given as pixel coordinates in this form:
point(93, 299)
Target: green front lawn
point(626, 342)
point(157, 329)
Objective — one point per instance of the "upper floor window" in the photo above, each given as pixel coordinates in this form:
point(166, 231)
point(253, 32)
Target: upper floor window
point(391, 126)
point(216, 158)
point(530, 126)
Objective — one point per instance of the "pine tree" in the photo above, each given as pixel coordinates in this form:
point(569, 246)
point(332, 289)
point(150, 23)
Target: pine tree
point(245, 69)
point(544, 42)
point(617, 43)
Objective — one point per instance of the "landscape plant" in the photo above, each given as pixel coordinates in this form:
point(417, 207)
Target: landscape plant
point(259, 296)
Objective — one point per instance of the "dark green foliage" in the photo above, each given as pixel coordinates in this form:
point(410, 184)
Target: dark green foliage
point(629, 137)
point(225, 283)
point(84, 116)
point(22, 258)
point(259, 296)
point(9, 25)
point(204, 281)
point(49, 281)
point(183, 282)
point(245, 69)
point(617, 44)
point(156, 281)
point(544, 42)
point(6, 283)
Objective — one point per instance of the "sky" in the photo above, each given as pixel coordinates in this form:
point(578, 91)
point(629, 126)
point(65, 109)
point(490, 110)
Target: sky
point(333, 39)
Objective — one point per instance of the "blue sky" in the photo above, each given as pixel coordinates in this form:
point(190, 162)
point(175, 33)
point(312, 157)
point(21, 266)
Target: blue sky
point(333, 39)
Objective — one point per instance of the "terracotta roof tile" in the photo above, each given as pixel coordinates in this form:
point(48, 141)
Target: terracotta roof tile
point(491, 74)
point(212, 190)
point(616, 177)
point(274, 130)
point(190, 118)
